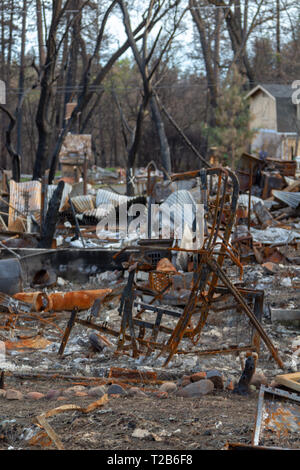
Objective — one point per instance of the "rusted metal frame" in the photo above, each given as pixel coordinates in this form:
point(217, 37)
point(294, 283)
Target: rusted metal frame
point(221, 210)
point(127, 319)
point(126, 311)
point(258, 312)
point(68, 330)
point(227, 173)
point(155, 332)
point(184, 320)
point(185, 175)
point(259, 411)
point(102, 329)
point(156, 297)
point(142, 331)
point(221, 256)
point(203, 177)
point(258, 419)
point(257, 296)
point(230, 222)
point(215, 267)
point(150, 326)
point(233, 258)
point(210, 352)
point(157, 309)
point(116, 334)
point(195, 336)
point(223, 309)
point(201, 281)
point(156, 327)
point(218, 211)
point(150, 187)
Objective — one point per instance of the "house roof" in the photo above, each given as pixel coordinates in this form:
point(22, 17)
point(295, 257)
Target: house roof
point(286, 110)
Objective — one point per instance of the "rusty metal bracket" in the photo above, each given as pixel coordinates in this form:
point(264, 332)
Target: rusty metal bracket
point(277, 411)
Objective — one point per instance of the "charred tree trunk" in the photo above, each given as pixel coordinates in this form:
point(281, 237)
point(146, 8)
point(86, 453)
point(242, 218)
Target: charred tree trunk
point(21, 81)
point(16, 161)
point(164, 145)
point(49, 224)
point(45, 101)
point(40, 33)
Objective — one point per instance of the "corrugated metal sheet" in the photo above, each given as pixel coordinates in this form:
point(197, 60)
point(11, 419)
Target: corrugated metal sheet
point(25, 199)
point(291, 199)
point(105, 197)
point(84, 203)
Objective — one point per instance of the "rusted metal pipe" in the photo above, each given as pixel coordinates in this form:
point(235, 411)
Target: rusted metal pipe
point(61, 301)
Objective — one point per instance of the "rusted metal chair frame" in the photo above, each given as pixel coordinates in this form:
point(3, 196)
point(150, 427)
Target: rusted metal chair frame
point(208, 271)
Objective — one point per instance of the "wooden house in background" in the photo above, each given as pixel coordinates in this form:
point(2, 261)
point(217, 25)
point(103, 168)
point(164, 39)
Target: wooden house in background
point(276, 119)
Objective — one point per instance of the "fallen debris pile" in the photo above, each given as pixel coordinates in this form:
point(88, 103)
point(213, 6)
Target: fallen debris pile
point(177, 311)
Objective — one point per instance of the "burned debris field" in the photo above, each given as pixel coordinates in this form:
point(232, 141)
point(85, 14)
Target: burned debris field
point(148, 343)
point(149, 226)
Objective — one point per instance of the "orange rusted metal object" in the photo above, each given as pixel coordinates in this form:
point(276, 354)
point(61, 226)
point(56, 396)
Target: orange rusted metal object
point(81, 300)
point(60, 301)
point(33, 298)
point(278, 412)
point(38, 342)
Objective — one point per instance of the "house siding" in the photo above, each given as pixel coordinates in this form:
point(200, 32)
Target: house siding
point(263, 112)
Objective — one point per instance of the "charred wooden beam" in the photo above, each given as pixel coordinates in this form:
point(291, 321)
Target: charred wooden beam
point(49, 225)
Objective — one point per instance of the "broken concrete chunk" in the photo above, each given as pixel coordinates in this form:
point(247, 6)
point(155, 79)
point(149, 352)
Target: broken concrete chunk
point(136, 391)
point(285, 315)
point(141, 433)
point(197, 389)
point(73, 390)
point(169, 387)
point(115, 389)
point(97, 391)
point(53, 394)
point(13, 394)
point(34, 395)
point(258, 379)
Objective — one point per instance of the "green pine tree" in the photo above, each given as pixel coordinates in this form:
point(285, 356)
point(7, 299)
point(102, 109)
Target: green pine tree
point(231, 135)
